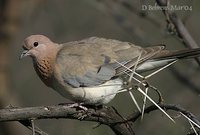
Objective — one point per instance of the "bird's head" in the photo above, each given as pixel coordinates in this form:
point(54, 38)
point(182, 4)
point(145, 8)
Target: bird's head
point(36, 45)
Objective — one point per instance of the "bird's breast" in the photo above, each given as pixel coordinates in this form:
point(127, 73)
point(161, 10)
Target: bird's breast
point(44, 70)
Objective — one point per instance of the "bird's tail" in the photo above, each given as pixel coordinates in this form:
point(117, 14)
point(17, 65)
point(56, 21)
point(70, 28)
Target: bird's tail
point(179, 54)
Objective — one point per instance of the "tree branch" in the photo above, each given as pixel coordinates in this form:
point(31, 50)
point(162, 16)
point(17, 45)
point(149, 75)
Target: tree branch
point(107, 116)
point(173, 107)
point(182, 32)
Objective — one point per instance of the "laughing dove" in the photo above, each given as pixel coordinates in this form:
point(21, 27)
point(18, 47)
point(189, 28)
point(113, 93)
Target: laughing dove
point(88, 71)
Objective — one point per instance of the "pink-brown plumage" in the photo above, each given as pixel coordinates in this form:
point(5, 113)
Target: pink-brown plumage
point(44, 70)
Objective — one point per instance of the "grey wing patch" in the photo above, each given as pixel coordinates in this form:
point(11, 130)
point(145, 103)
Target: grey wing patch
point(106, 72)
point(72, 81)
point(91, 78)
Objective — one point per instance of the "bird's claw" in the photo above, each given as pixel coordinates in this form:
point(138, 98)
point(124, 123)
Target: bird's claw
point(84, 114)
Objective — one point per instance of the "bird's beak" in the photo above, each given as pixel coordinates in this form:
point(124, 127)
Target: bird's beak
point(24, 54)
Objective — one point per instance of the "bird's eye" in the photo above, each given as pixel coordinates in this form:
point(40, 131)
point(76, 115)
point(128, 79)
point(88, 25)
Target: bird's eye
point(35, 44)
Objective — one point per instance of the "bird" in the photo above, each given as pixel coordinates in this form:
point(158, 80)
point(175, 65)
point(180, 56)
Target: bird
point(89, 71)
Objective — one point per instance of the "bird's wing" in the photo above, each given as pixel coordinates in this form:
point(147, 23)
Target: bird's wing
point(92, 61)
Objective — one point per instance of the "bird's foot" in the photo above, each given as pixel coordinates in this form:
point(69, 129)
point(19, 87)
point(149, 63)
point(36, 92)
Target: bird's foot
point(83, 111)
point(83, 114)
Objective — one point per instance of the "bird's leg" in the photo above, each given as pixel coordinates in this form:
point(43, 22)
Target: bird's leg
point(75, 105)
point(78, 105)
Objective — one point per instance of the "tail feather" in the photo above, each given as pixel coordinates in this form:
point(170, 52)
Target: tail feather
point(179, 54)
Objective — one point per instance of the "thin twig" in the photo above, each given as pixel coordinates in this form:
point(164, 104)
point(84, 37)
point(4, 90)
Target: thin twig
point(27, 123)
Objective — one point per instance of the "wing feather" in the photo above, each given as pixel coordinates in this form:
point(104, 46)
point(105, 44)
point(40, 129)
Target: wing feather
point(92, 61)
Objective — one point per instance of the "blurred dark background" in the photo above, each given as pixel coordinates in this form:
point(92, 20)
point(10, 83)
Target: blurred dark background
point(67, 20)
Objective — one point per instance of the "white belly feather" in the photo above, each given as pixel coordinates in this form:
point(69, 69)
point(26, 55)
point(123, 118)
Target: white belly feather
point(101, 94)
